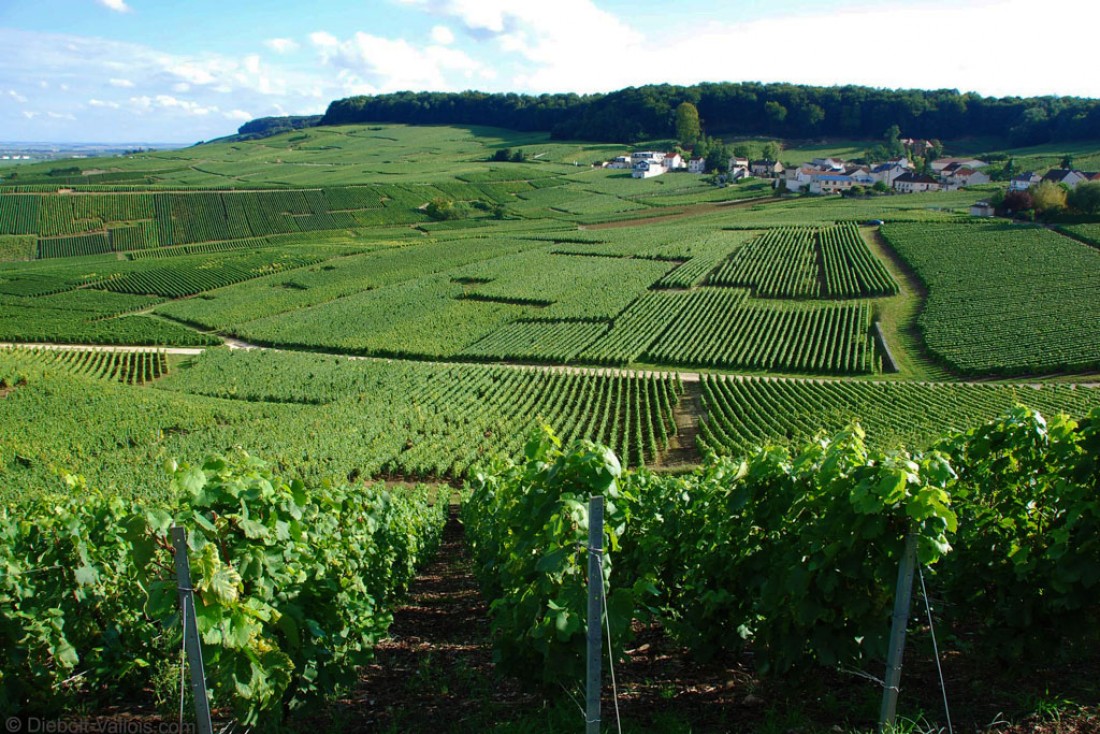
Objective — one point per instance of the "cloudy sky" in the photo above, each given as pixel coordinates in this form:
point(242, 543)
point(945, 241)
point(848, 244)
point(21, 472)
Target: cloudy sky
point(188, 70)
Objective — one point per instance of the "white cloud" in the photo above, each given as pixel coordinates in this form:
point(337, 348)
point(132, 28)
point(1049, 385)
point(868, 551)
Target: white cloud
point(574, 45)
point(239, 115)
point(179, 97)
point(567, 45)
point(145, 103)
point(17, 96)
point(192, 73)
point(371, 64)
point(29, 115)
point(324, 41)
point(102, 103)
point(442, 35)
point(282, 45)
point(60, 116)
point(119, 6)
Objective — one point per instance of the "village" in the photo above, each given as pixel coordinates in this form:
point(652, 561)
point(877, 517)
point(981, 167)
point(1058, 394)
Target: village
point(822, 176)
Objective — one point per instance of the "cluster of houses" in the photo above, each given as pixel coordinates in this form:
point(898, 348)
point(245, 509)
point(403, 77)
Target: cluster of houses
point(836, 176)
point(650, 163)
point(1025, 181)
point(819, 176)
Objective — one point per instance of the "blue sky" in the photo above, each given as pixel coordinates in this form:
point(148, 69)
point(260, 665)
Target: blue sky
point(188, 70)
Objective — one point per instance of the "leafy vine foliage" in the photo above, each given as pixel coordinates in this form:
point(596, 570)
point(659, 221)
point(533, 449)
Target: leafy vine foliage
point(1026, 578)
point(796, 552)
point(294, 585)
point(527, 526)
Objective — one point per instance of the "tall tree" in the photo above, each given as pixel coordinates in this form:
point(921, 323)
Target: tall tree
point(1086, 198)
point(894, 147)
point(772, 149)
point(687, 123)
point(1048, 198)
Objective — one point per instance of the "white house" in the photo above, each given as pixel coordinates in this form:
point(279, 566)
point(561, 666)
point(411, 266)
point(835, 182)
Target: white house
point(673, 161)
point(697, 165)
point(830, 183)
point(963, 176)
point(941, 163)
point(622, 161)
point(1024, 181)
point(1063, 176)
point(646, 155)
point(909, 183)
point(888, 172)
point(797, 178)
point(647, 169)
point(861, 177)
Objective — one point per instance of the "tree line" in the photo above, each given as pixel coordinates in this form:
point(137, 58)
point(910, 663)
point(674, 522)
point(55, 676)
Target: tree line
point(745, 108)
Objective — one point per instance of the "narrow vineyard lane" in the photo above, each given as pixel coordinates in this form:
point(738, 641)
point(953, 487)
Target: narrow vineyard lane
point(435, 672)
point(183, 351)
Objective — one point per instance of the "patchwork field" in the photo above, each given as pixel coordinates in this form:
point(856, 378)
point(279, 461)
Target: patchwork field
point(368, 306)
point(320, 243)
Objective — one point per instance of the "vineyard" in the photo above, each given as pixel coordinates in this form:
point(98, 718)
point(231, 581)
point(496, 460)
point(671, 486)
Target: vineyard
point(178, 281)
point(528, 350)
point(80, 224)
point(832, 262)
point(1004, 299)
point(536, 341)
point(720, 327)
point(811, 537)
point(745, 412)
point(129, 368)
point(780, 264)
point(321, 417)
point(298, 585)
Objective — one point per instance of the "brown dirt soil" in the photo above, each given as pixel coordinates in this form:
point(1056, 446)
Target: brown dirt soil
point(436, 674)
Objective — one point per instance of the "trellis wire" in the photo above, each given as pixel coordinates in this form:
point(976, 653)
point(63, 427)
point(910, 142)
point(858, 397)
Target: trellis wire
point(935, 649)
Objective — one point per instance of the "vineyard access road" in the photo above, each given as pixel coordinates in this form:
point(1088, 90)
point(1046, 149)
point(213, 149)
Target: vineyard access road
point(690, 377)
point(184, 351)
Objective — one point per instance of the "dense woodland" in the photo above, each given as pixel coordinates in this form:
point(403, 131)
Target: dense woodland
point(749, 108)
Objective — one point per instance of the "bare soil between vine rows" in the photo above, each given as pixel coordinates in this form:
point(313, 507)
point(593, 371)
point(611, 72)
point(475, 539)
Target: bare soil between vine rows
point(436, 674)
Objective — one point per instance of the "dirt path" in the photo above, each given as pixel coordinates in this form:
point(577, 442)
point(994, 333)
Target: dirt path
point(682, 448)
point(687, 378)
point(435, 671)
point(184, 351)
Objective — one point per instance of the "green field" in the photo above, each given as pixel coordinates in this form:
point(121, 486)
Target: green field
point(350, 344)
point(317, 243)
point(1005, 299)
